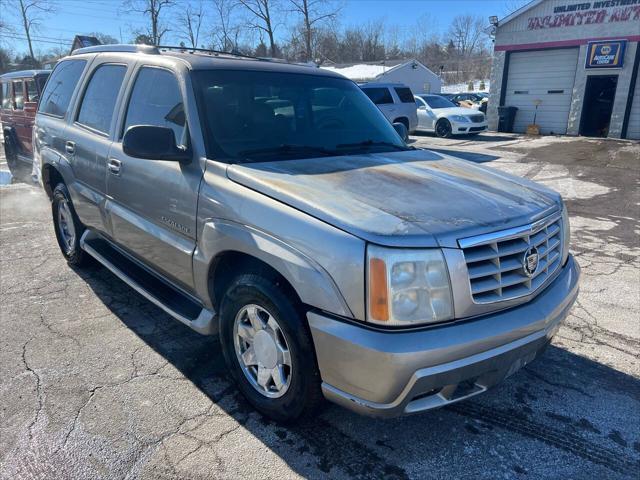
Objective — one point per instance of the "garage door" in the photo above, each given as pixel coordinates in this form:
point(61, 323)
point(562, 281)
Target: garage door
point(633, 128)
point(546, 76)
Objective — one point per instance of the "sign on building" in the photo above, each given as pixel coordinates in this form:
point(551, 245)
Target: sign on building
point(605, 54)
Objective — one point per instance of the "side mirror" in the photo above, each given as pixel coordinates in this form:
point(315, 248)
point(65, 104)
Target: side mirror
point(30, 107)
point(153, 143)
point(422, 107)
point(401, 130)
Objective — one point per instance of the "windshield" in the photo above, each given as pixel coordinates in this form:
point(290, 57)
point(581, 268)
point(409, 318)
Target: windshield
point(262, 116)
point(435, 102)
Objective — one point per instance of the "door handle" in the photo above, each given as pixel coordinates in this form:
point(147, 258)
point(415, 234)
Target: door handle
point(70, 147)
point(114, 166)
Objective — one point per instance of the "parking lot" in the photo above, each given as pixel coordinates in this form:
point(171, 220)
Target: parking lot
point(96, 382)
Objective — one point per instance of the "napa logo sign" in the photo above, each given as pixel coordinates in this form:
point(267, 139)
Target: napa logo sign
point(605, 54)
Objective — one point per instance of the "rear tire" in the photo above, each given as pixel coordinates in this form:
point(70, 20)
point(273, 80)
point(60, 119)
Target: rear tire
point(443, 128)
point(67, 226)
point(258, 305)
point(10, 151)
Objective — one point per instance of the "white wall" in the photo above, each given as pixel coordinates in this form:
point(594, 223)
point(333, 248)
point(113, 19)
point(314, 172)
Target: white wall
point(414, 78)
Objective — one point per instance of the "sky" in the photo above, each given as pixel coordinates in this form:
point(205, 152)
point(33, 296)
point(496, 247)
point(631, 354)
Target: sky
point(107, 16)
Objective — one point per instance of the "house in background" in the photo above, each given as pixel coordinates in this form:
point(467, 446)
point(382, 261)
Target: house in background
point(410, 72)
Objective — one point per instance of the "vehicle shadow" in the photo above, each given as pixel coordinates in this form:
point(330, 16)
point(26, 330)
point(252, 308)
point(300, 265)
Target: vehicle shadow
point(488, 138)
point(467, 155)
point(361, 447)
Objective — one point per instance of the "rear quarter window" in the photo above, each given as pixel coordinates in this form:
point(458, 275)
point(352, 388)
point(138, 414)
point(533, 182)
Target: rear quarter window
point(379, 96)
point(57, 94)
point(404, 94)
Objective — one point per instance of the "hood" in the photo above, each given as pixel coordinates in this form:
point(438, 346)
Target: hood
point(413, 198)
point(446, 112)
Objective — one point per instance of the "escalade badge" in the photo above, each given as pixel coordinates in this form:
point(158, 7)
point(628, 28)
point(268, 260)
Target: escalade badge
point(530, 261)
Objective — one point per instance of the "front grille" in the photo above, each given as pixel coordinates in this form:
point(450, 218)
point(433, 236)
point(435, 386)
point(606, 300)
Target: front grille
point(495, 261)
point(477, 118)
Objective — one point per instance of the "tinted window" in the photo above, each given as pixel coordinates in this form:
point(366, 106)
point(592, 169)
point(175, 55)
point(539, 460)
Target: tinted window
point(100, 97)
point(32, 91)
point(419, 102)
point(435, 101)
point(262, 116)
point(6, 95)
point(156, 100)
point(379, 96)
point(57, 94)
point(404, 94)
point(18, 95)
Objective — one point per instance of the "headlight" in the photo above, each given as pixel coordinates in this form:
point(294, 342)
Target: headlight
point(566, 234)
point(407, 287)
point(460, 118)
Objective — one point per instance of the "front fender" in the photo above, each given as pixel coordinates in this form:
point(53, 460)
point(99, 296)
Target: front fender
point(312, 283)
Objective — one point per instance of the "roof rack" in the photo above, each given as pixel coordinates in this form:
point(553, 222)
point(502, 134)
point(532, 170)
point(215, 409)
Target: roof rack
point(209, 51)
point(150, 49)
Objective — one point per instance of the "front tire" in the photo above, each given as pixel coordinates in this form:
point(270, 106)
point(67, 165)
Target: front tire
point(67, 226)
point(268, 348)
point(443, 128)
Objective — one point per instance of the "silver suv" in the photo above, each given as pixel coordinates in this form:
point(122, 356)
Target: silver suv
point(274, 205)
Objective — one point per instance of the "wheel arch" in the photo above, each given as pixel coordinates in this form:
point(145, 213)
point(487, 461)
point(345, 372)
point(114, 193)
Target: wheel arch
point(51, 176)
point(226, 249)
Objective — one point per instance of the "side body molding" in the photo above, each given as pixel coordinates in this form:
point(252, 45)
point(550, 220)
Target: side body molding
point(312, 283)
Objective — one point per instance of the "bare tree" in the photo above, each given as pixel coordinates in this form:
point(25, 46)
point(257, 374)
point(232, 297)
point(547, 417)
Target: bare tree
point(31, 13)
point(190, 22)
point(153, 9)
point(226, 31)
point(104, 38)
point(262, 12)
point(312, 13)
point(467, 32)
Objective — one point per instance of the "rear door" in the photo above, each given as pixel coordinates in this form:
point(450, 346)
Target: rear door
point(152, 203)
point(381, 96)
point(23, 131)
point(89, 136)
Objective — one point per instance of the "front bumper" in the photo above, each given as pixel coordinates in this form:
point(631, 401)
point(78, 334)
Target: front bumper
point(386, 373)
point(460, 128)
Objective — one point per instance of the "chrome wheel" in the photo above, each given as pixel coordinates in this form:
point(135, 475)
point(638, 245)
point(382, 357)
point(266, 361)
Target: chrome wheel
point(262, 351)
point(66, 227)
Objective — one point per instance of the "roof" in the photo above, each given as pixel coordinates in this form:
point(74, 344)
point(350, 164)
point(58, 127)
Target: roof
point(25, 73)
point(200, 59)
point(381, 84)
point(519, 11)
point(370, 71)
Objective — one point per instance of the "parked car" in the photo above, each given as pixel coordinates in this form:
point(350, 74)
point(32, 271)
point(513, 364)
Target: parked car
point(395, 101)
point(19, 93)
point(439, 115)
point(274, 205)
point(473, 100)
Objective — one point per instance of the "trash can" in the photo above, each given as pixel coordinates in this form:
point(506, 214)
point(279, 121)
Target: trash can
point(506, 116)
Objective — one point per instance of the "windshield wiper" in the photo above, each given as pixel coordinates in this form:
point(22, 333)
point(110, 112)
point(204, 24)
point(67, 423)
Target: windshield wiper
point(371, 143)
point(286, 149)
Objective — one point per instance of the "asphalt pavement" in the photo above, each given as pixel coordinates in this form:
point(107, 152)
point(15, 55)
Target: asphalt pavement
point(96, 382)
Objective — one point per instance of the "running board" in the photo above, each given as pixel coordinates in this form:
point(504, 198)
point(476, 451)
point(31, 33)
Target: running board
point(176, 303)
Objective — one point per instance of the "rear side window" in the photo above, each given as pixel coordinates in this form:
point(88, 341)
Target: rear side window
point(100, 97)
point(60, 87)
point(32, 91)
point(6, 95)
point(379, 96)
point(404, 94)
point(18, 95)
point(156, 100)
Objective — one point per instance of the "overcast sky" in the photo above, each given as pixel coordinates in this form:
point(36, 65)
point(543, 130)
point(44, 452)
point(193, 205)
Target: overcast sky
point(108, 16)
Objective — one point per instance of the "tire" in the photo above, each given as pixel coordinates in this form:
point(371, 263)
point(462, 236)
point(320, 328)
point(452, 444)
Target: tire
point(67, 226)
point(443, 128)
point(405, 122)
point(299, 394)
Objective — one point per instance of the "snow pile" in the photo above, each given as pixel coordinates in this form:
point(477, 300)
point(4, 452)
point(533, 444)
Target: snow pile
point(463, 87)
point(359, 72)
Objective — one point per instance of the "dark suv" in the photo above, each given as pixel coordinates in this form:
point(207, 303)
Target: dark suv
point(20, 94)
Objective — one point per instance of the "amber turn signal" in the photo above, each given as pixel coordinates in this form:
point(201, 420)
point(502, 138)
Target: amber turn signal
point(378, 292)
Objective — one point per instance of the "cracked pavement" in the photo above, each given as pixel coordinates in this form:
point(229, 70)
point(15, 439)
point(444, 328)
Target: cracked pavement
point(96, 382)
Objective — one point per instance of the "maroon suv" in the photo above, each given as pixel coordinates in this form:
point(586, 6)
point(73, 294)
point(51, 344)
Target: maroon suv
point(20, 92)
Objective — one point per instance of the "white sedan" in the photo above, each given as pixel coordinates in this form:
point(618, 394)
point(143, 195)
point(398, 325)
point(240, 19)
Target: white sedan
point(439, 115)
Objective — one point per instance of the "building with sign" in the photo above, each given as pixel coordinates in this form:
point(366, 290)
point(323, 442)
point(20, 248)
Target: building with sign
point(571, 65)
